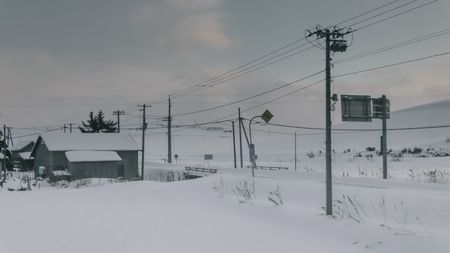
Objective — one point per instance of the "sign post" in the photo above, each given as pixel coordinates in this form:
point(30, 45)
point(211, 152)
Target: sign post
point(266, 116)
point(362, 108)
point(208, 157)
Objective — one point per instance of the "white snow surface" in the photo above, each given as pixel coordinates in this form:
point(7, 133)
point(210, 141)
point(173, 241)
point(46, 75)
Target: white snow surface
point(206, 215)
point(90, 141)
point(405, 213)
point(92, 156)
point(19, 145)
point(25, 155)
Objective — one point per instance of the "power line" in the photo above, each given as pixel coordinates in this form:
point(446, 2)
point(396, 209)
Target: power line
point(221, 77)
point(342, 75)
point(251, 97)
point(396, 15)
point(250, 69)
point(396, 45)
point(382, 13)
point(393, 64)
point(33, 134)
point(231, 75)
point(360, 129)
point(367, 12)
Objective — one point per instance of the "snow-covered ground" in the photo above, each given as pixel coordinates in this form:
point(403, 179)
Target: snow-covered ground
point(229, 211)
point(220, 213)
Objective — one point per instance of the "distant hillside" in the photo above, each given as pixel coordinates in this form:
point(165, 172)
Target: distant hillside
point(433, 114)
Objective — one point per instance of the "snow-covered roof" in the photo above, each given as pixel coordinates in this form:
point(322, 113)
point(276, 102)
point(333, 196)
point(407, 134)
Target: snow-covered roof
point(25, 155)
point(92, 156)
point(88, 141)
point(20, 145)
point(58, 173)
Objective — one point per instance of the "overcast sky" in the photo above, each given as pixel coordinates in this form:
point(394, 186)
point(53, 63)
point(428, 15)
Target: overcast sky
point(60, 59)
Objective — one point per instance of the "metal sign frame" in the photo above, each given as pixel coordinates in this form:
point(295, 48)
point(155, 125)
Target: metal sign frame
point(356, 108)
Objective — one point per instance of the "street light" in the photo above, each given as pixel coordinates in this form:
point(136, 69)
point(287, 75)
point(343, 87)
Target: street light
point(266, 116)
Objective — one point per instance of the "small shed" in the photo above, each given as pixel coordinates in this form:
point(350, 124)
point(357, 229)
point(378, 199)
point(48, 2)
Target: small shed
point(86, 155)
point(21, 155)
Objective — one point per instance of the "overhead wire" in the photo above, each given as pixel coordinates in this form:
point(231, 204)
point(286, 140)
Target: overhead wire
point(227, 73)
point(250, 97)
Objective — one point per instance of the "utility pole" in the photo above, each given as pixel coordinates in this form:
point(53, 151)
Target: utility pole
point(240, 136)
point(144, 127)
point(234, 145)
point(118, 113)
point(329, 193)
point(10, 138)
point(295, 151)
point(169, 134)
point(334, 35)
point(70, 127)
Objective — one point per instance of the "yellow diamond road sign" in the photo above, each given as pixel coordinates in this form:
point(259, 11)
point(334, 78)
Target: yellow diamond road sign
point(267, 116)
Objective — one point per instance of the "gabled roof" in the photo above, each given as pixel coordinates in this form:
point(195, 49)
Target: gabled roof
point(92, 156)
point(21, 145)
point(86, 141)
point(25, 155)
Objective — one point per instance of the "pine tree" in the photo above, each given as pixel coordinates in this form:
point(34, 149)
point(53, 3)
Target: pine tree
point(98, 124)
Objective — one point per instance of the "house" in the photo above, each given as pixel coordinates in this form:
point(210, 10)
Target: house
point(21, 155)
point(86, 155)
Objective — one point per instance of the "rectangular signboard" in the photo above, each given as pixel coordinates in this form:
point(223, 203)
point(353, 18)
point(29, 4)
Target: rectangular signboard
point(208, 156)
point(356, 108)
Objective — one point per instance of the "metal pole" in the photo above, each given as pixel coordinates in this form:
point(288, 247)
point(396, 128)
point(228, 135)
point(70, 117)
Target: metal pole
point(251, 146)
point(144, 127)
point(118, 121)
point(240, 136)
point(169, 134)
point(384, 138)
point(329, 196)
point(234, 146)
point(295, 151)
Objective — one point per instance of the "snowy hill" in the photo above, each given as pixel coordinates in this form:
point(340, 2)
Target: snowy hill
point(433, 114)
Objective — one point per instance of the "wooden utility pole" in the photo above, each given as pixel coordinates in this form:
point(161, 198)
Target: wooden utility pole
point(234, 145)
point(118, 113)
point(144, 127)
point(70, 127)
point(169, 133)
point(240, 136)
point(295, 151)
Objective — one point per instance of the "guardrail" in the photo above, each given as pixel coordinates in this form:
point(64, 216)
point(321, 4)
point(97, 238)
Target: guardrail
point(198, 169)
point(269, 167)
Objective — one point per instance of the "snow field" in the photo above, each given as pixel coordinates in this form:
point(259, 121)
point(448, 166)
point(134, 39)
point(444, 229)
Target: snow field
point(192, 216)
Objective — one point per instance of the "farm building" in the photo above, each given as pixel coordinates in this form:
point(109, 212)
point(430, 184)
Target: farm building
point(21, 152)
point(89, 155)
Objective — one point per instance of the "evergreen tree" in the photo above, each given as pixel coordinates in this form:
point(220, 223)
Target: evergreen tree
point(98, 124)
